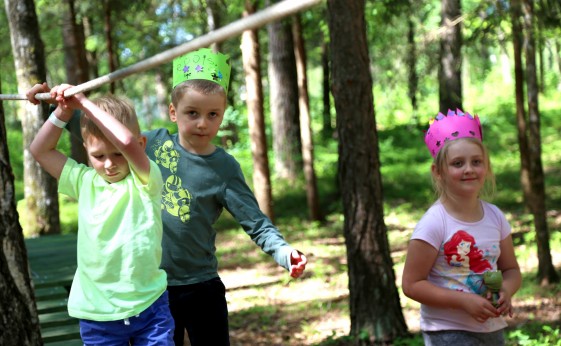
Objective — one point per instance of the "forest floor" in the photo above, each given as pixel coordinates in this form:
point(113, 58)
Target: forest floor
point(268, 308)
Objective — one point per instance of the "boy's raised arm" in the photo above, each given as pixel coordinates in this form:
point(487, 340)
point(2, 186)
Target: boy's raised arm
point(43, 146)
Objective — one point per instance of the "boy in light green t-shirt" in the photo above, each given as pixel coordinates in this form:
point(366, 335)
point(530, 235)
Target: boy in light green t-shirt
point(119, 291)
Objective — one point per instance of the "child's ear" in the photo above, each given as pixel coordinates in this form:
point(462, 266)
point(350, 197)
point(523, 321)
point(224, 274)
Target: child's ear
point(172, 113)
point(434, 171)
point(142, 141)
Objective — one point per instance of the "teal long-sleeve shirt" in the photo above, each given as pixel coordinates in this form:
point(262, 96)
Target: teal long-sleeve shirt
point(196, 190)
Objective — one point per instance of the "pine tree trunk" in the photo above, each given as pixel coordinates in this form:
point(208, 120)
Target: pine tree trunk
point(108, 29)
point(283, 93)
point(521, 120)
point(546, 270)
point(162, 95)
point(450, 68)
point(312, 193)
point(213, 20)
point(19, 324)
point(256, 118)
point(40, 188)
point(557, 54)
point(374, 300)
point(76, 65)
point(413, 77)
point(327, 128)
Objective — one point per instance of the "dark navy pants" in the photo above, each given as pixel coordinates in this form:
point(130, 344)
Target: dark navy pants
point(201, 309)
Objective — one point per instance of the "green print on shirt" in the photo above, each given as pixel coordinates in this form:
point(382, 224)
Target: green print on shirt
point(175, 199)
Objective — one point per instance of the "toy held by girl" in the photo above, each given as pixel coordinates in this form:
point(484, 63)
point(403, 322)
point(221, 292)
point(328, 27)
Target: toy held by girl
point(462, 244)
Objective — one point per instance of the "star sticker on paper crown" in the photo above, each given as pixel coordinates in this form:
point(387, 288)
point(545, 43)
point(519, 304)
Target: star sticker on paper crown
point(202, 64)
point(449, 127)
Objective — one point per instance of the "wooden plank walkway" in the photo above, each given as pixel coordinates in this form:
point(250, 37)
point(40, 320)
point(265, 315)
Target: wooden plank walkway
point(53, 262)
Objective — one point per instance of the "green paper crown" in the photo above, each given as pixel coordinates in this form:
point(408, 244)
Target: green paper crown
point(202, 64)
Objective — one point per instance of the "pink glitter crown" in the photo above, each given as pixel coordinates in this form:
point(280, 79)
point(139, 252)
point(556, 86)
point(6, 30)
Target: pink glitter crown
point(450, 127)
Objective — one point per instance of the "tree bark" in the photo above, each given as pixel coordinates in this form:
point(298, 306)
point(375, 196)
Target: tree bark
point(40, 188)
point(76, 65)
point(19, 324)
point(162, 94)
point(251, 56)
point(413, 77)
point(374, 300)
point(229, 131)
point(327, 128)
point(546, 270)
point(283, 93)
point(213, 20)
point(521, 120)
point(450, 68)
point(558, 60)
point(312, 193)
point(107, 28)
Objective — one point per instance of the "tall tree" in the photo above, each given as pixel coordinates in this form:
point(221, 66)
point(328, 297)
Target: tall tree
point(450, 68)
point(251, 56)
point(19, 324)
point(76, 64)
point(546, 270)
point(108, 31)
point(213, 19)
point(557, 54)
point(413, 77)
point(327, 128)
point(374, 301)
point(29, 58)
point(312, 193)
point(283, 93)
point(521, 121)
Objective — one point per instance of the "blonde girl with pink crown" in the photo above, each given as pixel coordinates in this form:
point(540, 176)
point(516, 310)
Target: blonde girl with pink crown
point(462, 243)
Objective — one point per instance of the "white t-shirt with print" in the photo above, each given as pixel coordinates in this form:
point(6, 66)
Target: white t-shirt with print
point(465, 251)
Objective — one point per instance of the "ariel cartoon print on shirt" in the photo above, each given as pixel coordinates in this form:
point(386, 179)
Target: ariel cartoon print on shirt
point(466, 259)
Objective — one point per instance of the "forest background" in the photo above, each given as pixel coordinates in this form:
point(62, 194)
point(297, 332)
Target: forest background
point(115, 38)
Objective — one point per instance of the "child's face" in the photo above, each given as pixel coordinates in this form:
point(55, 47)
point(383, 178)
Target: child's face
point(107, 161)
point(465, 169)
point(198, 119)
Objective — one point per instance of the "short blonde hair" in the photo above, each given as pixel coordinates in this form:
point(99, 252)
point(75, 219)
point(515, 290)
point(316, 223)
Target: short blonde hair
point(440, 167)
point(119, 107)
point(203, 86)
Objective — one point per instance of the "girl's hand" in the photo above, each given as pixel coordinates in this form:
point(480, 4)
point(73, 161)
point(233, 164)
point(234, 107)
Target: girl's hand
point(479, 308)
point(505, 303)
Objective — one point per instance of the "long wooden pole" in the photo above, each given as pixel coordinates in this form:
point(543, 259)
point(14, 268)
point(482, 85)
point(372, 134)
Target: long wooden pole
point(270, 14)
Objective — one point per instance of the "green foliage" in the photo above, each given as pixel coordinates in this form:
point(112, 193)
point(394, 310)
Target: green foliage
point(535, 334)
point(15, 141)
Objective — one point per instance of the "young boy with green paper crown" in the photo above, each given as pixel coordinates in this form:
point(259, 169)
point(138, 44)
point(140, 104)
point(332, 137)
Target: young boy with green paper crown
point(200, 180)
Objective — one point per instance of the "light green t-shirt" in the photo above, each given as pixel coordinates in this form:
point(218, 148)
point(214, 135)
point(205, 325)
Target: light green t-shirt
point(119, 243)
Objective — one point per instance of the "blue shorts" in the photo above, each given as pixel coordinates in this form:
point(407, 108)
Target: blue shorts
point(153, 326)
